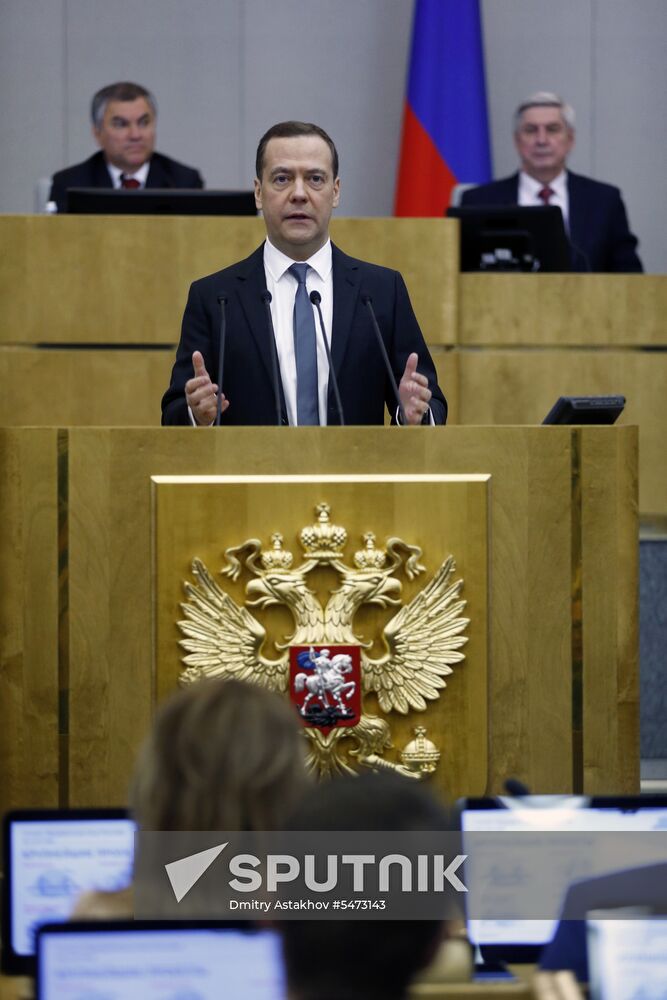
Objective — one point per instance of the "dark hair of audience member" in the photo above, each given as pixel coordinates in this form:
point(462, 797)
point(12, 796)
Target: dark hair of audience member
point(364, 958)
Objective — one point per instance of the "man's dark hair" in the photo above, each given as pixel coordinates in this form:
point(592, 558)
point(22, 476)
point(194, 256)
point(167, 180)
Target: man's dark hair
point(290, 130)
point(123, 91)
point(369, 958)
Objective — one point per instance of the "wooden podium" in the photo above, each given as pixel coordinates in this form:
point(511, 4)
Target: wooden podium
point(99, 527)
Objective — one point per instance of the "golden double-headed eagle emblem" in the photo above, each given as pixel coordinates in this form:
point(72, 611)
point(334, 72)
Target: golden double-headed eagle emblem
point(419, 645)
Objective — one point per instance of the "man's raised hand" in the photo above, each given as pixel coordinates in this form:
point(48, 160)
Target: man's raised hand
point(201, 394)
point(414, 392)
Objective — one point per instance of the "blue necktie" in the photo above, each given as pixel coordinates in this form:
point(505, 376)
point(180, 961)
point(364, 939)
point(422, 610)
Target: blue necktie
point(305, 351)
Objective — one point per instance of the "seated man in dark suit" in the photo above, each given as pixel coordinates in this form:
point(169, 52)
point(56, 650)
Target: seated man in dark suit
point(594, 213)
point(124, 117)
point(278, 372)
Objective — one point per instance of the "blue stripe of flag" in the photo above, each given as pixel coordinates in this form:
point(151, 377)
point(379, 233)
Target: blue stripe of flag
point(446, 87)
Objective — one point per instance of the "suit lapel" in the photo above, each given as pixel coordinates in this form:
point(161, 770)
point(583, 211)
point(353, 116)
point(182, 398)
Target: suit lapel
point(157, 176)
point(101, 175)
point(345, 295)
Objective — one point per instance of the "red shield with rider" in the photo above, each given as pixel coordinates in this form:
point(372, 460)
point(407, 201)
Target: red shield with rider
point(325, 685)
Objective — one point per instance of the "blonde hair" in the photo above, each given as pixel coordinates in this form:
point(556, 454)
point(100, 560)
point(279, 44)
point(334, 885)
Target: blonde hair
point(222, 755)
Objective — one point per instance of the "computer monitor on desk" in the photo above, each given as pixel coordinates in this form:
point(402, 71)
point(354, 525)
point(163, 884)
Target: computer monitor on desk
point(159, 201)
point(506, 840)
point(50, 857)
point(512, 238)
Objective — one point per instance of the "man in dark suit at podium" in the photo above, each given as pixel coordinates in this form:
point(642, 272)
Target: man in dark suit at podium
point(594, 213)
point(123, 117)
point(276, 367)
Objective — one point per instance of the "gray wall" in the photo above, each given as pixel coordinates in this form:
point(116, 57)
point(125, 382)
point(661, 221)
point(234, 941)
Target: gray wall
point(224, 70)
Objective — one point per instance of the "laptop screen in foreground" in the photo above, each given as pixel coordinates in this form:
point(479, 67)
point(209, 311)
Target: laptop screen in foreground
point(51, 857)
point(150, 961)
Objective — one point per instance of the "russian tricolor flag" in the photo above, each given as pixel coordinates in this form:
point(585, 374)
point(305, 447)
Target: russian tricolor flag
point(445, 127)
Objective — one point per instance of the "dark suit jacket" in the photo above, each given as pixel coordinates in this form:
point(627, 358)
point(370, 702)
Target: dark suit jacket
point(248, 382)
point(600, 237)
point(92, 173)
point(644, 887)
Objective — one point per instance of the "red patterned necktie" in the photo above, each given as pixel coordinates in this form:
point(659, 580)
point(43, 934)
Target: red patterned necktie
point(131, 183)
point(545, 194)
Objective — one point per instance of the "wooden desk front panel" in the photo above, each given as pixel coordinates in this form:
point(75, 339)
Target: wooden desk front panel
point(530, 668)
point(566, 310)
point(124, 279)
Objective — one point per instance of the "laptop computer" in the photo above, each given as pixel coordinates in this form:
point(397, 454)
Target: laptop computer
point(151, 960)
point(519, 940)
point(51, 856)
point(627, 958)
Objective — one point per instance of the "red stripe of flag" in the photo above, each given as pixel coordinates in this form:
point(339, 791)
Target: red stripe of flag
point(425, 181)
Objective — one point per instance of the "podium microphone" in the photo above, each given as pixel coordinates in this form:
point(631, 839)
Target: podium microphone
point(316, 298)
point(368, 301)
point(222, 302)
point(266, 299)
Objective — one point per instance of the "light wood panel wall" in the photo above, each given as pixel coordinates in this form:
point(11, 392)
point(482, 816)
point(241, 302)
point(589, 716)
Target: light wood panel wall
point(29, 613)
point(609, 585)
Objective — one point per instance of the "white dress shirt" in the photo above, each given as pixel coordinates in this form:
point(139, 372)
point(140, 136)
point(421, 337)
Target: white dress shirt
point(283, 286)
point(529, 190)
point(139, 175)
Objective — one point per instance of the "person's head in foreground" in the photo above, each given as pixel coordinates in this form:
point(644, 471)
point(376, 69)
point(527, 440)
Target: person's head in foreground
point(369, 959)
point(221, 755)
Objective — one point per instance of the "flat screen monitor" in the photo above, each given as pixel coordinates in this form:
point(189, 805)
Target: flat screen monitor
point(154, 960)
point(512, 238)
point(627, 959)
point(159, 201)
point(516, 940)
point(51, 856)
point(585, 410)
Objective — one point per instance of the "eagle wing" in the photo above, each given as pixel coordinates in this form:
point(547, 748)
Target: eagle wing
point(224, 639)
point(423, 641)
